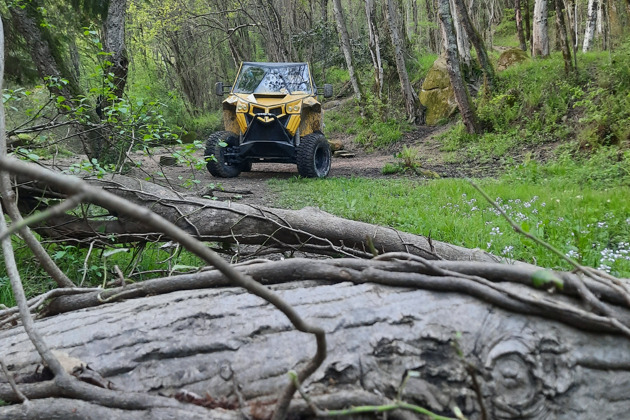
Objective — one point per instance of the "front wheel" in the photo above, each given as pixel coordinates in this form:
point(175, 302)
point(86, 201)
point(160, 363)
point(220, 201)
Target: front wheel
point(313, 156)
point(216, 146)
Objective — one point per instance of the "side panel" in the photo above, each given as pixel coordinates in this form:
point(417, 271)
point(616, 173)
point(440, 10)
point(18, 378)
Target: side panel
point(311, 119)
point(229, 119)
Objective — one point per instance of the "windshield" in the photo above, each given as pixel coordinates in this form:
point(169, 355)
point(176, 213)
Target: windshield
point(264, 79)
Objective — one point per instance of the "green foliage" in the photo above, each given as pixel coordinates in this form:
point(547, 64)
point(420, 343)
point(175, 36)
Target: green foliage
point(423, 64)
point(376, 125)
point(408, 161)
point(96, 267)
point(590, 226)
point(607, 167)
point(534, 104)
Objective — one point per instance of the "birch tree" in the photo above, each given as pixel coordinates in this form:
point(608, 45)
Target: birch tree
point(540, 34)
point(591, 23)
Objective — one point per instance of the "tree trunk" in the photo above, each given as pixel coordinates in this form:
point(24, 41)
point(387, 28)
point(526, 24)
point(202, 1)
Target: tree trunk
point(464, 103)
point(306, 230)
point(540, 41)
point(519, 25)
point(347, 49)
point(51, 67)
point(231, 351)
point(272, 32)
point(591, 23)
point(409, 95)
point(375, 47)
point(562, 35)
point(605, 24)
point(528, 25)
point(434, 44)
point(463, 43)
point(324, 10)
point(114, 44)
point(473, 35)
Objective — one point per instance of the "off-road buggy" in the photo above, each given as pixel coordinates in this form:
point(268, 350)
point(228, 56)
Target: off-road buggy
point(270, 115)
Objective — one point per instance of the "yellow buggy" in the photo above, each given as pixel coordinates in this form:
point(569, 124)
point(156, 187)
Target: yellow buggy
point(271, 114)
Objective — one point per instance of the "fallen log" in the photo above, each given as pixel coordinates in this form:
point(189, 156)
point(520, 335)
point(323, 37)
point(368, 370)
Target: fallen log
point(308, 230)
point(230, 347)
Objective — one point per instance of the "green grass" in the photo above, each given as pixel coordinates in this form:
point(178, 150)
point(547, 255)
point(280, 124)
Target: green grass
point(152, 260)
point(591, 225)
point(376, 125)
point(535, 103)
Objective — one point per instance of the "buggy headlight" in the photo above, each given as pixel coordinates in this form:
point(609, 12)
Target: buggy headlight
point(294, 107)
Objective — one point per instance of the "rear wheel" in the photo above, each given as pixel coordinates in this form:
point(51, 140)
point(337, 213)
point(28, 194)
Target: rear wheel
point(216, 148)
point(313, 156)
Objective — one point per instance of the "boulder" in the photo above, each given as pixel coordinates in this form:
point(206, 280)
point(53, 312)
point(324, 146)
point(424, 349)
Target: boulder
point(510, 57)
point(335, 144)
point(437, 93)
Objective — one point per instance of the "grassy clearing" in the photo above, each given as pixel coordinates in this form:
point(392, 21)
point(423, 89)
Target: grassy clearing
point(590, 225)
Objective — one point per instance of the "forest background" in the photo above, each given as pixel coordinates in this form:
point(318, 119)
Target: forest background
point(553, 129)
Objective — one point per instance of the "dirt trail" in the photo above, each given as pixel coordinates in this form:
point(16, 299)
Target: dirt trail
point(251, 187)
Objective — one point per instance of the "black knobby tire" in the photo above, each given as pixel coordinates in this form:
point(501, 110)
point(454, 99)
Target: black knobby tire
point(245, 166)
point(314, 156)
point(217, 166)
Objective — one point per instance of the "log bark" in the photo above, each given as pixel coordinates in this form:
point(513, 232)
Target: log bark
point(307, 230)
point(212, 342)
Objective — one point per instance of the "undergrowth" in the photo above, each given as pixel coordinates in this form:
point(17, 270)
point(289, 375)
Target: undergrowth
point(97, 268)
point(535, 103)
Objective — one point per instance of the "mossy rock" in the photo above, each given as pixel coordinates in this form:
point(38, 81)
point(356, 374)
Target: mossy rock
point(189, 137)
point(335, 144)
point(437, 93)
point(510, 57)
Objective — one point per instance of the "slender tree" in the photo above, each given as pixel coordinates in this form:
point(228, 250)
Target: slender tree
point(563, 37)
point(463, 42)
point(375, 48)
point(475, 38)
point(434, 44)
point(591, 23)
point(347, 49)
point(540, 40)
point(528, 24)
point(519, 25)
point(464, 103)
point(409, 95)
point(46, 53)
point(114, 44)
